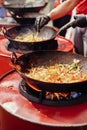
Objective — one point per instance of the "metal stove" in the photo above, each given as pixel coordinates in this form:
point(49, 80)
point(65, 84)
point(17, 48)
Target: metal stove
point(18, 107)
point(42, 97)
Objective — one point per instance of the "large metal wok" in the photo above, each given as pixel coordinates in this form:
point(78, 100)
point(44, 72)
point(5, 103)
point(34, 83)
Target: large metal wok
point(47, 58)
point(21, 7)
point(27, 18)
point(46, 33)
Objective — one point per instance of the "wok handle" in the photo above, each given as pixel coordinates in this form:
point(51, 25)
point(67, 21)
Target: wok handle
point(4, 30)
point(13, 58)
point(45, 4)
point(15, 15)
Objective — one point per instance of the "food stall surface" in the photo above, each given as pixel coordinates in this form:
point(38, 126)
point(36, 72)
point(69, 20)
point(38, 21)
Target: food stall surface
point(24, 114)
point(16, 112)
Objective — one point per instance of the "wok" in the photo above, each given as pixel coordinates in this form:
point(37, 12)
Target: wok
point(27, 18)
point(47, 58)
point(22, 7)
point(46, 32)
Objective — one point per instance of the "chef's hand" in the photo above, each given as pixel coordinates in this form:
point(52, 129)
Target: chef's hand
point(41, 21)
point(81, 20)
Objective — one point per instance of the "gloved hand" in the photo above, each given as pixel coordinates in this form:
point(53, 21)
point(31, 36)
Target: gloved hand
point(41, 21)
point(81, 21)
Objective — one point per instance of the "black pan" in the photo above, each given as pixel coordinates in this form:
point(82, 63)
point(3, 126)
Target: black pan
point(47, 58)
point(27, 18)
point(19, 8)
point(46, 32)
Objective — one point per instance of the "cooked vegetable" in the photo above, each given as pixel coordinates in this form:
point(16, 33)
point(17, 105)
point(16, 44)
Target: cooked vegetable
point(29, 38)
point(58, 73)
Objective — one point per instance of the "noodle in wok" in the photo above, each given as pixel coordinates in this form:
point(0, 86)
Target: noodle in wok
point(58, 73)
point(29, 38)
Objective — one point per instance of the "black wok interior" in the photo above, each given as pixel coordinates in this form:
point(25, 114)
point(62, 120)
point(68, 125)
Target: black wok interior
point(45, 32)
point(47, 58)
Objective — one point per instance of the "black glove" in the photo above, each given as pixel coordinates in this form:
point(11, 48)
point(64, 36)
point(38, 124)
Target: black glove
point(41, 21)
point(81, 21)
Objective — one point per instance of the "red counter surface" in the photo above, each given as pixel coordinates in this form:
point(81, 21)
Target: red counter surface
point(22, 114)
point(5, 65)
point(16, 112)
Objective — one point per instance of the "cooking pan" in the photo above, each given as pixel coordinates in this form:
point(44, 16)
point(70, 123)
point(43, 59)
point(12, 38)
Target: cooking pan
point(27, 18)
point(46, 32)
point(21, 7)
point(47, 58)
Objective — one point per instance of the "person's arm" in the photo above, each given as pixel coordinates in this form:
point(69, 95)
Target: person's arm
point(56, 13)
point(63, 9)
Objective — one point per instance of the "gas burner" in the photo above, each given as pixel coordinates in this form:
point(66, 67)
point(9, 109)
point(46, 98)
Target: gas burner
point(72, 98)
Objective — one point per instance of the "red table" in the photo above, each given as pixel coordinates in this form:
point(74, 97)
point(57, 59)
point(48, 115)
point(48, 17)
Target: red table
point(17, 113)
point(5, 65)
point(22, 114)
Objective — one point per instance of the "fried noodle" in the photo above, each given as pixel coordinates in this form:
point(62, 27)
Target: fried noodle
point(29, 38)
point(58, 73)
